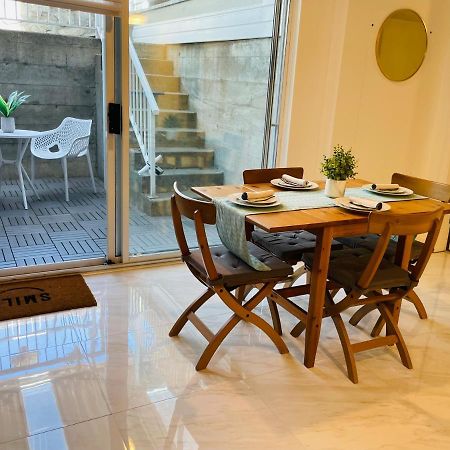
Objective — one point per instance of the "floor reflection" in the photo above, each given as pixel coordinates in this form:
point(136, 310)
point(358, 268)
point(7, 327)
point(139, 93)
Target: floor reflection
point(110, 378)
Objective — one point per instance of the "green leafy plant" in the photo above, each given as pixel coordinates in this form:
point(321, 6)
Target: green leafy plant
point(340, 165)
point(14, 101)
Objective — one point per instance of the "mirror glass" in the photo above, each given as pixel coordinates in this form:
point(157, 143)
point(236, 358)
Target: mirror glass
point(401, 45)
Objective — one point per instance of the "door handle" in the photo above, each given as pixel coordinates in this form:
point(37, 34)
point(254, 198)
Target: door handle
point(115, 118)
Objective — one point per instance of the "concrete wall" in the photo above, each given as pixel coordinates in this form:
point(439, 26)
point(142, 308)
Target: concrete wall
point(227, 87)
point(24, 17)
point(59, 72)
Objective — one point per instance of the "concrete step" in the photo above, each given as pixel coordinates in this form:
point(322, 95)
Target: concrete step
point(164, 83)
point(176, 119)
point(186, 178)
point(151, 51)
point(176, 158)
point(186, 158)
point(157, 66)
point(172, 100)
point(160, 205)
point(180, 137)
point(156, 206)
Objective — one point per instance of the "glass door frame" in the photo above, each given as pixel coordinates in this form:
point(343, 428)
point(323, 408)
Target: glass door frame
point(115, 56)
point(115, 90)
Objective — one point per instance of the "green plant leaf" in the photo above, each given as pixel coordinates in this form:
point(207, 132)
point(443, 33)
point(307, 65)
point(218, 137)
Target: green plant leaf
point(4, 107)
point(15, 99)
point(340, 165)
point(12, 96)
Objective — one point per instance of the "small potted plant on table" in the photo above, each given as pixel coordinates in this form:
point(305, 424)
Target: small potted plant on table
point(338, 168)
point(15, 99)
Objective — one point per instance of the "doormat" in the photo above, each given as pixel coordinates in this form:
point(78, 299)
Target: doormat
point(42, 296)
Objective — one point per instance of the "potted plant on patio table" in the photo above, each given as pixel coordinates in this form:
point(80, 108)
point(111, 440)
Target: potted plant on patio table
point(7, 108)
point(338, 168)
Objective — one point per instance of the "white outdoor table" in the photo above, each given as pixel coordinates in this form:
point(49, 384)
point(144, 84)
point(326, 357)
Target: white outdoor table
point(23, 139)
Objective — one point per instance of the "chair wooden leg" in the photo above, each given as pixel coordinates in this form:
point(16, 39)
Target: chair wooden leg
point(241, 312)
point(194, 306)
point(295, 276)
point(361, 313)
point(242, 292)
point(308, 277)
point(415, 300)
point(345, 342)
point(213, 345)
point(275, 316)
point(347, 348)
point(334, 292)
point(298, 329)
point(244, 312)
point(391, 325)
point(376, 330)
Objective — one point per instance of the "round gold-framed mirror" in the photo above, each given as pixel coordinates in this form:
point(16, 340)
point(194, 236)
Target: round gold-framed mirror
point(401, 44)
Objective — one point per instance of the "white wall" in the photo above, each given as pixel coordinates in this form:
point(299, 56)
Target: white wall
point(340, 96)
point(206, 21)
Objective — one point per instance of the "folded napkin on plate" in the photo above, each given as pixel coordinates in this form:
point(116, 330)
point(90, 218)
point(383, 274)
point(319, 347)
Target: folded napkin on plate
point(258, 195)
point(385, 187)
point(294, 181)
point(365, 203)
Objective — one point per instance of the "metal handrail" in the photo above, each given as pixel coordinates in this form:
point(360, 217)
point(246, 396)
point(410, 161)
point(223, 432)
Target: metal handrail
point(143, 112)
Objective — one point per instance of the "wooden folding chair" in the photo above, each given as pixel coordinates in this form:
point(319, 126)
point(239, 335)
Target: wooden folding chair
point(364, 274)
point(289, 246)
point(427, 188)
point(222, 272)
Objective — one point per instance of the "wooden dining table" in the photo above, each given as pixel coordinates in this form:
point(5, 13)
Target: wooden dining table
point(326, 224)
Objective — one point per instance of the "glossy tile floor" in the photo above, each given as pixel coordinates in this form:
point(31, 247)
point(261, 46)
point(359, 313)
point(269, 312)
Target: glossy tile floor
point(110, 378)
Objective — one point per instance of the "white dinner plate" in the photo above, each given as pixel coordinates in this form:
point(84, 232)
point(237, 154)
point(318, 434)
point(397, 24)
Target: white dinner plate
point(344, 202)
point(236, 198)
point(278, 182)
point(401, 191)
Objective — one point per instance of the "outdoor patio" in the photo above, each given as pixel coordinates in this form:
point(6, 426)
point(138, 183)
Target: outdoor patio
point(53, 230)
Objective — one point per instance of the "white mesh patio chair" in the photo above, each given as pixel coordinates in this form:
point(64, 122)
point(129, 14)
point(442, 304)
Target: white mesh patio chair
point(69, 141)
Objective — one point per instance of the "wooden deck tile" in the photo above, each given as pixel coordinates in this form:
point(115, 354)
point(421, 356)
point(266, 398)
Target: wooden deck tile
point(53, 230)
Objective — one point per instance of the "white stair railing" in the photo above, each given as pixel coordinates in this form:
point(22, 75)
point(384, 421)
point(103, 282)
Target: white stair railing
point(143, 112)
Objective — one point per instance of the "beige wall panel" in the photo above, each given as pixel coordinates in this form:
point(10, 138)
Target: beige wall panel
point(340, 95)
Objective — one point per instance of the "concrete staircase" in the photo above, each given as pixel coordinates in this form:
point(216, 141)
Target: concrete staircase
point(178, 139)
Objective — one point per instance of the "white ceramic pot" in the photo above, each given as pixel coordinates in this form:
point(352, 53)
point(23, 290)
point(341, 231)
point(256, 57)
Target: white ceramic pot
point(335, 188)
point(8, 124)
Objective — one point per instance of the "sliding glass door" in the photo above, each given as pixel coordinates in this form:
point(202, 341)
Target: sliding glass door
point(183, 91)
point(201, 77)
point(58, 167)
